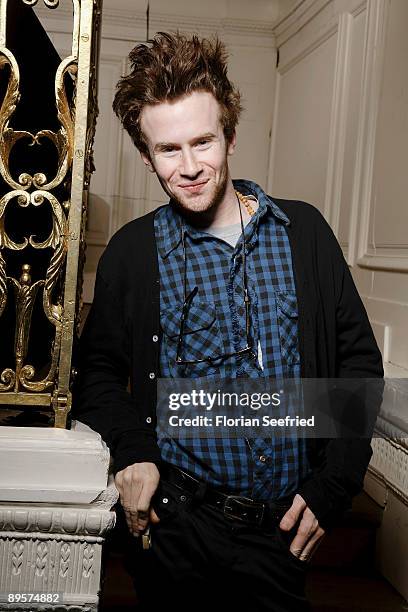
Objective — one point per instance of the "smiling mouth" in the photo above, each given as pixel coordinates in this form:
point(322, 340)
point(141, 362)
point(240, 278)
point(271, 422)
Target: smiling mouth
point(194, 187)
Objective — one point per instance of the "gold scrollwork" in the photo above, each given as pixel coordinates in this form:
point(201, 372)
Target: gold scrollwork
point(26, 293)
point(3, 284)
point(23, 199)
point(9, 137)
point(63, 140)
point(49, 3)
point(8, 378)
point(58, 241)
point(55, 291)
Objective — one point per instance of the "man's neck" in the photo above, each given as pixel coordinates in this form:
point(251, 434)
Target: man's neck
point(224, 214)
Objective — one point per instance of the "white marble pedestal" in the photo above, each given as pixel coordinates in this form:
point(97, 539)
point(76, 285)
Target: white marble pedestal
point(387, 483)
point(55, 509)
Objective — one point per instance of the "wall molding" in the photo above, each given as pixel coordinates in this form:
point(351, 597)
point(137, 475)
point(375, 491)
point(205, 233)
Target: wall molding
point(274, 131)
point(323, 36)
point(305, 11)
point(131, 25)
point(49, 537)
point(338, 123)
point(393, 263)
point(382, 333)
point(298, 18)
point(71, 522)
point(362, 198)
point(232, 26)
point(338, 130)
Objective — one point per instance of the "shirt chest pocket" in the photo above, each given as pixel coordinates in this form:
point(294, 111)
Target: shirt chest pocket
point(201, 337)
point(287, 316)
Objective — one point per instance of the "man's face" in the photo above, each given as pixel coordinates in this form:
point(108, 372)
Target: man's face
point(188, 150)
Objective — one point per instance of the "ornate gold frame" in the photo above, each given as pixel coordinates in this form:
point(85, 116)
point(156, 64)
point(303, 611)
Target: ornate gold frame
point(60, 289)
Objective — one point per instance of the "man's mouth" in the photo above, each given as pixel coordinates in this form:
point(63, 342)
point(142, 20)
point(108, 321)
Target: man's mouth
point(193, 187)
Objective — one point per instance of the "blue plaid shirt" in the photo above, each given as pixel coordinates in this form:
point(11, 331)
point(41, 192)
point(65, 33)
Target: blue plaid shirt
point(259, 468)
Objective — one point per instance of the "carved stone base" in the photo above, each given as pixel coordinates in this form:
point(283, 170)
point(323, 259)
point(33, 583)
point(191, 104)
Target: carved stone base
point(49, 547)
point(387, 483)
point(50, 561)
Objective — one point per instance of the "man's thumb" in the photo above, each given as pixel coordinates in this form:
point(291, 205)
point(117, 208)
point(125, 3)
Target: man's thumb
point(153, 517)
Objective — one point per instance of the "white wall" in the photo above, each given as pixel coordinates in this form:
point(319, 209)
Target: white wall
point(340, 141)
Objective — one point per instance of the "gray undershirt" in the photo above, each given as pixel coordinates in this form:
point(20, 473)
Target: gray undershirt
point(231, 233)
point(228, 233)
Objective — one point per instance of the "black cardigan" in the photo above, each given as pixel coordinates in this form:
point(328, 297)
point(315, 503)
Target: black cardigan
point(121, 341)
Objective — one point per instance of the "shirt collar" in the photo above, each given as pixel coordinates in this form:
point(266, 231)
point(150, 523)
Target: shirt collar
point(168, 230)
point(250, 188)
point(170, 222)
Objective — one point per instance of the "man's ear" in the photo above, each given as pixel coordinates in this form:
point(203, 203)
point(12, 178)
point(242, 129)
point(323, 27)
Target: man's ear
point(147, 161)
point(232, 144)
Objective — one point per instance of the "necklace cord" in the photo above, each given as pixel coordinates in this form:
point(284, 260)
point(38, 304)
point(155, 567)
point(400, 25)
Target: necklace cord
point(247, 299)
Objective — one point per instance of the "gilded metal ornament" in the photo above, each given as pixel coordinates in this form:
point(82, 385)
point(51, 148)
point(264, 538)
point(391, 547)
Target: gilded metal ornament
point(64, 196)
point(49, 3)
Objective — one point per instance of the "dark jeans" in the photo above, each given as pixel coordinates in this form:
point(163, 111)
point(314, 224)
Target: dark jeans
point(200, 560)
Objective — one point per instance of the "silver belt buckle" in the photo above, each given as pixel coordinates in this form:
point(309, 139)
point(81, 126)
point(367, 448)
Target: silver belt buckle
point(243, 502)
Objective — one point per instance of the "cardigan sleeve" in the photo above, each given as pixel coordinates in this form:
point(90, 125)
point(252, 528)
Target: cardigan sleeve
point(344, 460)
point(101, 396)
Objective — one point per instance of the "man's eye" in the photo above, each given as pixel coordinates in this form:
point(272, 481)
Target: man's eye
point(202, 143)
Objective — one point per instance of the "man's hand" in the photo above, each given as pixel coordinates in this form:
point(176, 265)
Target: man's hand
point(136, 485)
point(308, 534)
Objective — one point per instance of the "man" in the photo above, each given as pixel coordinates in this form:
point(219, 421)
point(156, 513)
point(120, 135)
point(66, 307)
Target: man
point(225, 282)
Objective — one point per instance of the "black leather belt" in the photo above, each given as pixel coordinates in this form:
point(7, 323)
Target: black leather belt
point(235, 507)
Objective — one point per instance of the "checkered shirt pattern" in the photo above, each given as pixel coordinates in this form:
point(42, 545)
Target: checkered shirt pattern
point(216, 325)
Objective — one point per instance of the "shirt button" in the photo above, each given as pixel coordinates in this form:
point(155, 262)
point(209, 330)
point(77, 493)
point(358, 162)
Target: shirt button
point(155, 338)
point(148, 419)
point(263, 458)
point(165, 500)
point(152, 375)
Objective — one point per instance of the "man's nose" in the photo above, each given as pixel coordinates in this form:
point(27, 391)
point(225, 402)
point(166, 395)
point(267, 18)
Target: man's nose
point(189, 165)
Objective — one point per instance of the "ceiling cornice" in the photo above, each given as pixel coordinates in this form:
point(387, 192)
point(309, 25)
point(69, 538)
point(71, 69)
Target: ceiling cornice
point(127, 21)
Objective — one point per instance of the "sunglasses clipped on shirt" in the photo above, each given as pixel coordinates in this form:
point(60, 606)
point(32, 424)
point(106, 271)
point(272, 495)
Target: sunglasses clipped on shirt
point(188, 298)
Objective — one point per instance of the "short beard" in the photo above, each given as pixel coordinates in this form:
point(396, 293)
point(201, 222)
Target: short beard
point(205, 210)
